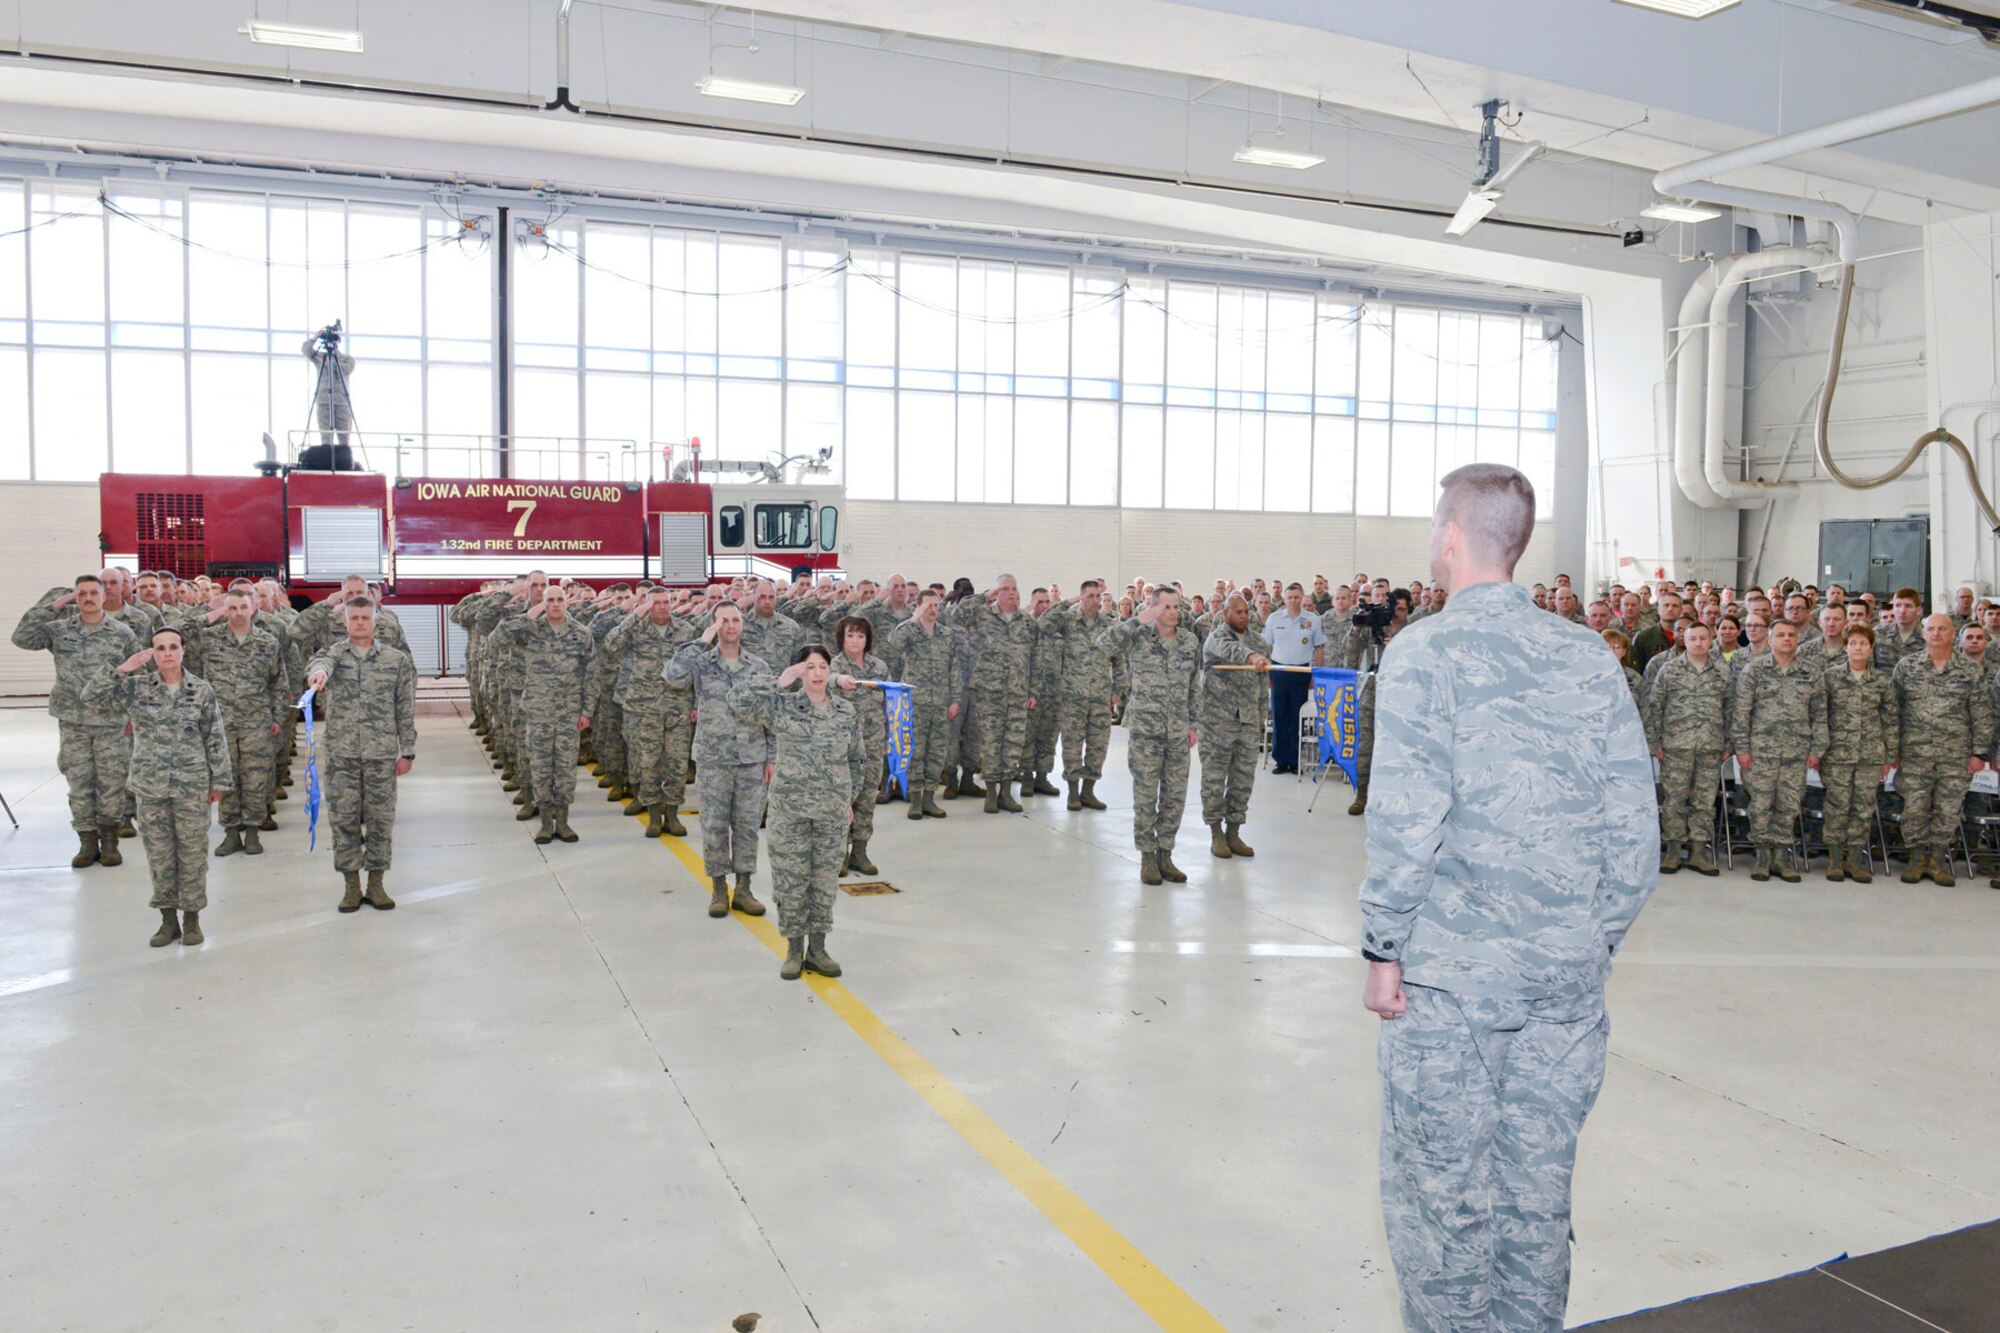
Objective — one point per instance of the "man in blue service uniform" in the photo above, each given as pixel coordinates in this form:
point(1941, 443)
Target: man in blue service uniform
point(1512, 839)
point(1296, 640)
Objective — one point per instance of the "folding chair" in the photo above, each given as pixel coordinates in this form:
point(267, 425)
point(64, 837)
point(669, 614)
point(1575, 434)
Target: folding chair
point(1308, 744)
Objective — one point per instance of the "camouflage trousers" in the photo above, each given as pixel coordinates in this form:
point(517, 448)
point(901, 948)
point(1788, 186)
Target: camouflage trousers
point(1688, 782)
point(1364, 729)
point(552, 743)
point(361, 810)
point(1482, 1101)
point(1045, 728)
point(95, 762)
point(174, 830)
point(1086, 735)
point(506, 716)
point(962, 738)
point(1002, 719)
point(1933, 792)
point(657, 741)
point(806, 857)
point(1777, 786)
point(930, 742)
point(609, 743)
point(732, 805)
point(1850, 802)
point(1229, 752)
point(1159, 764)
point(872, 777)
point(253, 758)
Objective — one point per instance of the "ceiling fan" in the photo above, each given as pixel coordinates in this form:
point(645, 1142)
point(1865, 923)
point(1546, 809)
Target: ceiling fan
point(1489, 187)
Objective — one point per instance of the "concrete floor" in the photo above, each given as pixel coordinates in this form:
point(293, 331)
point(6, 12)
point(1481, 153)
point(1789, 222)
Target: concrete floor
point(548, 1092)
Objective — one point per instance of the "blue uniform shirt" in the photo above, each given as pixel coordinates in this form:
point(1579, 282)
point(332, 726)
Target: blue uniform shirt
point(1293, 640)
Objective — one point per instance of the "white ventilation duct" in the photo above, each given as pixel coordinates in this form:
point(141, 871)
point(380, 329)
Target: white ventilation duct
point(1732, 274)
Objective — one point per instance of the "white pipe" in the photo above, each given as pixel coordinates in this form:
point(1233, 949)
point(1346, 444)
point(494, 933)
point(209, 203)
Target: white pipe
point(1686, 373)
point(1728, 278)
point(1900, 115)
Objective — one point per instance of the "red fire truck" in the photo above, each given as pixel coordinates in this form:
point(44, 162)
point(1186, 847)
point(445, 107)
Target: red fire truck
point(432, 540)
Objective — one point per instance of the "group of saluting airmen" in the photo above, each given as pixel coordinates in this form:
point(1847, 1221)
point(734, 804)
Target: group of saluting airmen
point(173, 695)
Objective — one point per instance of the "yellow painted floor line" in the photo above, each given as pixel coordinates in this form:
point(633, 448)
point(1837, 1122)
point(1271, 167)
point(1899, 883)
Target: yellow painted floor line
point(1152, 1290)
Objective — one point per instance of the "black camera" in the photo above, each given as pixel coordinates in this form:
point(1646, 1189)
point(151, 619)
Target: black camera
point(1375, 616)
point(327, 339)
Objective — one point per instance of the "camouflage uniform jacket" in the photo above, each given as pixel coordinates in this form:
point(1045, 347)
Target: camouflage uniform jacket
point(719, 736)
point(560, 665)
point(319, 625)
point(926, 661)
point(1779, 711)
point(776, 640)
point(642, 651)
point(1338, 627)
point(885, 618)
point(371, 701)
point(1003, 647)
point(79, 650)
point(870, 714)
point(178, 745)
point(822, 761)
point(248, 674)
point(1081, 669)
point(139, 619)
point(1513, 833)
point(1166, 675)
point(1233, 696)
point(1892, 645)
point(1864, 721)
point(1947, 712)
point(1686, 706)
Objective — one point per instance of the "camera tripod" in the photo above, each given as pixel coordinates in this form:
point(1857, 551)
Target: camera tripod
point(330, 409)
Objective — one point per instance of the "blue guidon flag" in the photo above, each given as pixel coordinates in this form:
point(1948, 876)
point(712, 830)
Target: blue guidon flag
point(1336, 699)
point(305, 706)
point(900, 711)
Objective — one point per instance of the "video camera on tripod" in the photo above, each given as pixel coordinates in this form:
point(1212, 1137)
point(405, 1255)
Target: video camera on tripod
point(327, 341)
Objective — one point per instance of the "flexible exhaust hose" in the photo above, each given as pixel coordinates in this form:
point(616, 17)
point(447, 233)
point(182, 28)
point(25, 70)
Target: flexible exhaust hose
point(1822, 446)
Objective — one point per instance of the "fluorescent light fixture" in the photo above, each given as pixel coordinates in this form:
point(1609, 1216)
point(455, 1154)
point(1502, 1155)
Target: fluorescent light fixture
point(1687, 9)
point(312, 39)
point(1258, 156)
point(1666, 211)
point(1478, 203)
point(746, 90)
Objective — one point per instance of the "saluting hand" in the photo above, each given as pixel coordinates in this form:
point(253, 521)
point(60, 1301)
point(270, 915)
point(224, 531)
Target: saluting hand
point(788, 675)
point(135, 661)
point(714, 628)
point(62, 601)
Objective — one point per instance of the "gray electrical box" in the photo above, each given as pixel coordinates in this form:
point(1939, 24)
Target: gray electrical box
point(1876, 555)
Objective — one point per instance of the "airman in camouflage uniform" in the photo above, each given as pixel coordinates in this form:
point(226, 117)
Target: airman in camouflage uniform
point(922, 651)
point(561, 666)
point(1510, 846)
point(730, 757)
point(659, 726)
point(370, 695)
point(1776, 727)
point(320, 624)
point(463, 615)
point(768, 634)
point(1947, 721)
point(246, 668)
point(819, 767)
point(1085, 689)
point(180, 764)
point(92, 749)
point(503, 674)
point(1232, 726)
point(1905, 638)
point(607, 727)
point(872, 718)
point(1864, 725)
point(961, 759)
point(1005, 638)
point(1044, 736)
point(1160, 725)
point(1684, 714)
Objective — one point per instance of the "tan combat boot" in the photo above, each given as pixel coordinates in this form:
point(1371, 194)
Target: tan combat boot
point(656, 824)
point(86, 849)
point(992, 798)
point(1913, 873)
point(1940, 870)
point(1007, 801)
point(1236, 843)
point(746, 901)
point(1075, 799)
point(1761, 872)
point(191, 928)
point(1702, 861)
point(1836, 865)
point(377, 896)
point(1857, 866)
point(1149, 868)
point(1042, 787)
point(818, 959)
point(718, 898)
point(1089, 797)
point(252, 845)
point(1670, 859)
point(564, 832)
point(1218, 846)
point(232, 843)
point(529, 810)
point(795, 959)
point(916, 810)
point(1172, 873)
point(968, 784)
point(107, 846)
point(546, 834)
point(1783, 866)
point(857, 858)
point(350, 900)
point(1360, 805)
point(931, 808)
point(169, 931)
point(674, 825)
